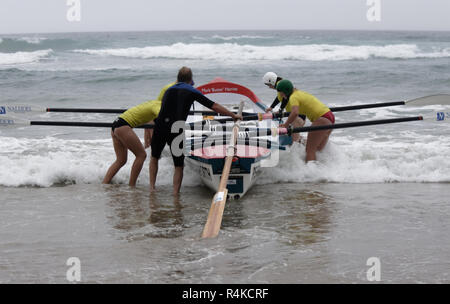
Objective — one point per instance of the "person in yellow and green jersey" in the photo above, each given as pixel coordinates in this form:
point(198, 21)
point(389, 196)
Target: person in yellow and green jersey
point(300, 102)
point(271, 80)
point(124, 138)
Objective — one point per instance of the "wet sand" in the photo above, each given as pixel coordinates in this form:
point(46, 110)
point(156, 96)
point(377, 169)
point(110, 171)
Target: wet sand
point(283, 233)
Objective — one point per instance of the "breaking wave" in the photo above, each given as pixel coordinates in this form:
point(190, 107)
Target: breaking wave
point(23, 57)
point(29, 40)
point(405, 157)
point(236, 52)
point(228, 38)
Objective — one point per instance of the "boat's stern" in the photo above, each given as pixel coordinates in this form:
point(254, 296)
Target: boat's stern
point(210, 161)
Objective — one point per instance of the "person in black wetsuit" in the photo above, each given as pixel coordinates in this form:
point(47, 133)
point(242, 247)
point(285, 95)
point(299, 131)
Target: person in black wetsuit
point(271, 79)
point(169, 124)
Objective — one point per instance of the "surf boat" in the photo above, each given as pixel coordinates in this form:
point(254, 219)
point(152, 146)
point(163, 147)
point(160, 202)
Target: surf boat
point(206, 145)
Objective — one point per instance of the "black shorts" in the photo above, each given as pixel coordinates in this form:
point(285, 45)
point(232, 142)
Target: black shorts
point(161, 137)
point(119, 122)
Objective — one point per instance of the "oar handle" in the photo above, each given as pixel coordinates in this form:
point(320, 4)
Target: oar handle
point(81, 110)
point(119, 111)
point(367, 106)
point(71, 124)
point(289, 131)
point(82, 124)
point(212, 113)
point(354, 124)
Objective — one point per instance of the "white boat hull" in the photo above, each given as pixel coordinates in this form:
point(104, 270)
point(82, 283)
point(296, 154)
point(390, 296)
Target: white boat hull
point(238, 183)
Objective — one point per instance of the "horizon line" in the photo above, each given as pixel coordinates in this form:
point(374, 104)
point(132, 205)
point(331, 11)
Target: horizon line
point(223, 30)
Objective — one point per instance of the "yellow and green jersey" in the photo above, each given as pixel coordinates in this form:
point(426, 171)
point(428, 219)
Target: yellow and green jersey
point(307, 104)
point(146, 111)
point(142, 113)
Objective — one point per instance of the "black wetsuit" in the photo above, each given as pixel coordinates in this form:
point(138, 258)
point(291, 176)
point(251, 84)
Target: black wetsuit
point(175, 106)
point(283, 103)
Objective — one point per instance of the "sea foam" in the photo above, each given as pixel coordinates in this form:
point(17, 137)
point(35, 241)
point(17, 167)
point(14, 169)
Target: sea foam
point(32, 40)
point(50, 161)
point(346, 160)
point(23, 57)
point(237, 52)
point(405, 157)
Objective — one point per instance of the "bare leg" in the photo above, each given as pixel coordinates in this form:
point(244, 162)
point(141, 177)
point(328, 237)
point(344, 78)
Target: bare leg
point(298, 122)
point(177, 179)
point(121, 159)
point(317, 139)
point(324, 141)
point(129, 139)
point(153, 172)
point(148, 134)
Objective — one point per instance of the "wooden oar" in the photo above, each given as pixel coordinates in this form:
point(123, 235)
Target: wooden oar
point(214, 221)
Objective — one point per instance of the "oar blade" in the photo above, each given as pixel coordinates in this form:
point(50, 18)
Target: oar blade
point(439, 99)
point(212, 226)
point(214, 221)
point(438, 116)
point(6, 109)
point(8, 121)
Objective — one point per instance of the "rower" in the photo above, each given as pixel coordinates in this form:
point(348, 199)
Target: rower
point(300, 102)
point(124, 139)
point(176, 103)
point(271, 80)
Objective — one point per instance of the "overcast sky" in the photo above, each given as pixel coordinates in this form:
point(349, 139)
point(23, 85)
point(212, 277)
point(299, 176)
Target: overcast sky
point(31, 16)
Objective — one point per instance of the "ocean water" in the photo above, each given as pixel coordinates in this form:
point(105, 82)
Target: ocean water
point(378, 191)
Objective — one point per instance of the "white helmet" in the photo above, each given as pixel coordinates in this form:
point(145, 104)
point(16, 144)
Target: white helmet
point(270, 78)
